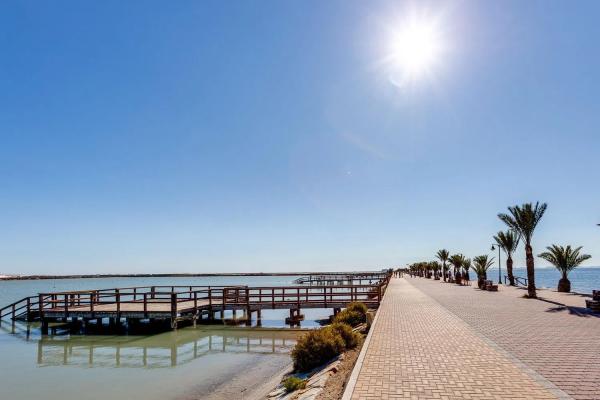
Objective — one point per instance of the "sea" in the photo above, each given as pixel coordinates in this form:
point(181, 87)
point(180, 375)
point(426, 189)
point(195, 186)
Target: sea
point(583, 280)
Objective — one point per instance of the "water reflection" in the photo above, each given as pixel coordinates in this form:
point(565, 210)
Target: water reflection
point(164, 350)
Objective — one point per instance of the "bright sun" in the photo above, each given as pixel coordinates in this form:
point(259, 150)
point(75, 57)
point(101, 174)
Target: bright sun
point(414, 50)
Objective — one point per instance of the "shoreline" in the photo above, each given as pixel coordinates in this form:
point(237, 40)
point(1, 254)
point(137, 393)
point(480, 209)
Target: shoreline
point(173, 275)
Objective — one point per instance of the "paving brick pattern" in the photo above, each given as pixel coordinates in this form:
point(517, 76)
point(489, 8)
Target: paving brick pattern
point(560, 343)
point(574, 300)
point(420, 350)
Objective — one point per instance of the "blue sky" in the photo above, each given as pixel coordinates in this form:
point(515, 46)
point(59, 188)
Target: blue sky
point(268, 136)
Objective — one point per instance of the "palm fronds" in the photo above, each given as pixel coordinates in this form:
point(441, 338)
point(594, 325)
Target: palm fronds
point(523, 219)
point(508, 241)
point(481, 264)
point(565, 259)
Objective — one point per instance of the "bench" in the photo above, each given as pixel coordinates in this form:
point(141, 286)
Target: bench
point(594, 304)
point(489, 286)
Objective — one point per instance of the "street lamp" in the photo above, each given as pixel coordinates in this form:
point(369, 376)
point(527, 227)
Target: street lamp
point(499, 264)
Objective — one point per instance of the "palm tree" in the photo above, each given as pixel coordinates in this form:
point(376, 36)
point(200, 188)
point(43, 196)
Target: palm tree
point(466, 265)
point(443, 255)
point(508, 241)
point(565, 260)
point(523, 220)
point(435, 266)
point(481, 264)
point(457, 261)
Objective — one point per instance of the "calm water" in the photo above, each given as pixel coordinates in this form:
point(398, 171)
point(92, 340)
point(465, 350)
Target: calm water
point(583, 280)
point(191, 363)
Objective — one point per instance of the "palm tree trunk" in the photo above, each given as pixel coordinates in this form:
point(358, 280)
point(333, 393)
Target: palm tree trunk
point(530, 271)
point(445, 272)
point(564, 285)
point(509, 269)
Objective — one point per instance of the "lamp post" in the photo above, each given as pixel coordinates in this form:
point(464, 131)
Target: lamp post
point(499, 264)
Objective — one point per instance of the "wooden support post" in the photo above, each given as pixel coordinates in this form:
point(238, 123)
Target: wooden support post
point(118, 300)
point(41, 306)
point(92, 301)
point(28, 309)
point(145, 305)
point(248, 309)
point(173, 310)
point(225, 293)
point(44, 327)
point(211, 315)
point(66, 306)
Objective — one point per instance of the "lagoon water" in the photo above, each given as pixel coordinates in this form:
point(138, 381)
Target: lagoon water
point(191, 363)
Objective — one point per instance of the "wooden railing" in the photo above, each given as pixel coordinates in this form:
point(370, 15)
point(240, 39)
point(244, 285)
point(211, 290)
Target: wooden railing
point(169, 299)
point(92, 300)
point(375, 276)
point(26, 306)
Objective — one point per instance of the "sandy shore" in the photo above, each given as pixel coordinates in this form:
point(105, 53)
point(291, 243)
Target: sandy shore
point(255, 379)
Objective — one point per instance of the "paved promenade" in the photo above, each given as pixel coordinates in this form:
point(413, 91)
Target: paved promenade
point(560, 343)
point(440, 341)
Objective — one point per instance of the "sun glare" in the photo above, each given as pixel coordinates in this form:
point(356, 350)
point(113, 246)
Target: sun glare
point(414, 50)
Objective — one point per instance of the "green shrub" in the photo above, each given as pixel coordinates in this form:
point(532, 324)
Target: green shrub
point(358, 306)
point(316, 348)
point(351, 339)
point(292, 383)
point(350, 317)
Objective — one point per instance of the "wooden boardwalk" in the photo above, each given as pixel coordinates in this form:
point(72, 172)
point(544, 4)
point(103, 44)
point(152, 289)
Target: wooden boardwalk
point(188, 303)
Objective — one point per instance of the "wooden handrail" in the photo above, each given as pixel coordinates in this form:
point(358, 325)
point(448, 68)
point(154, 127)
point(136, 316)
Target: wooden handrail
point(235, 295)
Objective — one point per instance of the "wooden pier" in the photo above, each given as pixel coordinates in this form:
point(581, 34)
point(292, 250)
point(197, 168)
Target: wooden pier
point(173, 305)
point(344, 278)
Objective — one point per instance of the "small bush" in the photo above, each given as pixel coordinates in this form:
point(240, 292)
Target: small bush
point(351, 339)
point(358, 307)
point(316, 348)
point(292, 383)
point(350, 317)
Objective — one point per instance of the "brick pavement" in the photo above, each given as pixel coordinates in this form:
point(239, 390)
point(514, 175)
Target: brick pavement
point(574, 300)
point(420, 350)
point(560, 343)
